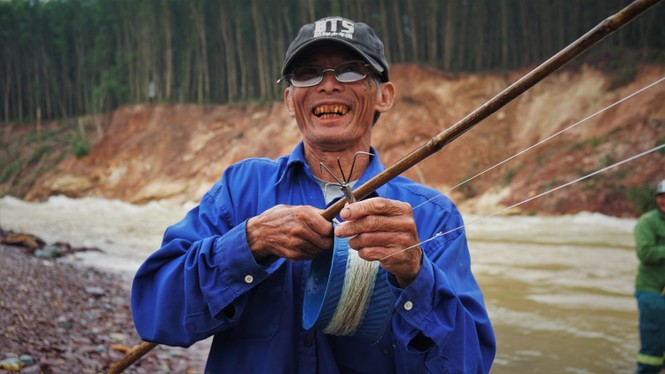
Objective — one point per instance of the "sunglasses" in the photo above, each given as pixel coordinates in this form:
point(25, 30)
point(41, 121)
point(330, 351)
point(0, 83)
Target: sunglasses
point(308, 76)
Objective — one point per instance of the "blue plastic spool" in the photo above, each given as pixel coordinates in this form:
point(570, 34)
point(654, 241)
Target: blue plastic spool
point(323, 289)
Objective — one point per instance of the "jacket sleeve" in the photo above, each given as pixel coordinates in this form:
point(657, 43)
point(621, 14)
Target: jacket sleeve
point(196, 284)
point(649, 249)
point(440, 320)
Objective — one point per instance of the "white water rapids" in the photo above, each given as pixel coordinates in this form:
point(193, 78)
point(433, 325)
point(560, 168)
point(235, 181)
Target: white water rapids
point(558, 289)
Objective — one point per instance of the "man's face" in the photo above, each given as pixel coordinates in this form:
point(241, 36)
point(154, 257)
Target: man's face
point(660, 202)
point(334, 116)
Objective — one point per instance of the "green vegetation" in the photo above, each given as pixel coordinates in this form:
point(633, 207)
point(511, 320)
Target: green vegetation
point(642, 198)
point(606, 160)
point(623, 74)
point(554, 183)
point(508, 176)
point(9, 171)
point(80, 146)
point(32, 153)
point(661, 141)
point(64, 59)
point(467, 189)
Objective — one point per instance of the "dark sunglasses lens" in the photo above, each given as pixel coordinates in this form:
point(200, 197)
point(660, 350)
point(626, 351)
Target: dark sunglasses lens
point(346, 72)
point(350, 71)
point(306, 76)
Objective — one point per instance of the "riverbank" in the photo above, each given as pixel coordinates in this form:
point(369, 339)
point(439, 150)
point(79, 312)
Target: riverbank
point(57, 317)
point(546, 279)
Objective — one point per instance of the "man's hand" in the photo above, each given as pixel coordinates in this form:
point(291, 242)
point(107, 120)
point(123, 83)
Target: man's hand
point(380, 227)
point(291, 232)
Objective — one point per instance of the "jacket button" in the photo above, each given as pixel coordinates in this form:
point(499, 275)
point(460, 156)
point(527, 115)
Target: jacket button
point(307, 341)
point(408, 305)
point(249, 279)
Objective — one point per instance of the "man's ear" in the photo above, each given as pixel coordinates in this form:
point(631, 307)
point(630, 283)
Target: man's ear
point(288, 101)
point(386, 97)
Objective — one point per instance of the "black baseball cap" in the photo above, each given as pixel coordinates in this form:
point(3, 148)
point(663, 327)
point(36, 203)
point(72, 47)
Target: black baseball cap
point(357, 36)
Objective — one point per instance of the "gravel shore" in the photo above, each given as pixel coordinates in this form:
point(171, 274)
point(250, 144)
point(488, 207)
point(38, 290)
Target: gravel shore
point(62, 318)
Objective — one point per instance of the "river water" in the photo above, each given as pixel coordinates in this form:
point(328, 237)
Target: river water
point(558, 289)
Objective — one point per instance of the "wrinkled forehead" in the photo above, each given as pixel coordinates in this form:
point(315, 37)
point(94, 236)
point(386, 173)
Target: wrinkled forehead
point(327, 53)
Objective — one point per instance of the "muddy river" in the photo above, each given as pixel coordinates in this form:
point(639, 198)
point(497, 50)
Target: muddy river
point(558, 289)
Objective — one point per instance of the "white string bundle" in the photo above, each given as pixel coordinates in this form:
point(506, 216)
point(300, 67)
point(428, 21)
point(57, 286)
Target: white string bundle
point(356, 294)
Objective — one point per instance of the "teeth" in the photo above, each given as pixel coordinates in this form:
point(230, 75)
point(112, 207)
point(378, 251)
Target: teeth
point(327, 111)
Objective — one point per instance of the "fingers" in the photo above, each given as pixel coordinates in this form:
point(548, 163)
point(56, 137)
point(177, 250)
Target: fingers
point(383, 230)
point(381, 244)
point(294, 233)
point(376, 215)
point(403, 263)
point(375, 206)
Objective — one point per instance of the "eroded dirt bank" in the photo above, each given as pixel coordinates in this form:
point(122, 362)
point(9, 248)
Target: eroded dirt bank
point(141, 153)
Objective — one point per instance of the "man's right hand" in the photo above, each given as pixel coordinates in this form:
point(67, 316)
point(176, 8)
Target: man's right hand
point(290, 232)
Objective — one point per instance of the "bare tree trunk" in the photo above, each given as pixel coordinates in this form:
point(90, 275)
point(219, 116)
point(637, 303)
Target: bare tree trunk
point(448, 39)
point(311, 11)
point(412, 20)
point(168, 52)
point(46, 79)
point(201, 61)
point(260, 42)
point(432, 34)
point(398, 31)
point(385, 31)
point(505, 38)
point(226, 27)
point(5, 94)
point(244, 89)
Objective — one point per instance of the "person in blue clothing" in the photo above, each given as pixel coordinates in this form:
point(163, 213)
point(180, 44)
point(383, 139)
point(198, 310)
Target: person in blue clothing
point(234, 267)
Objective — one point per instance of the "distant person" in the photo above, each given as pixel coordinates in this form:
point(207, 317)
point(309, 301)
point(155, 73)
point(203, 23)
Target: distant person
point(234, 267)
point(650, 285)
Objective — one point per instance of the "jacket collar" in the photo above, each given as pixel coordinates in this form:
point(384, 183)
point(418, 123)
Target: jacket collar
point(297, 159)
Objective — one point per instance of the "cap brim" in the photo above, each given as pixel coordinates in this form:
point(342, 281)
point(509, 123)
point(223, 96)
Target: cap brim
point(375, 65)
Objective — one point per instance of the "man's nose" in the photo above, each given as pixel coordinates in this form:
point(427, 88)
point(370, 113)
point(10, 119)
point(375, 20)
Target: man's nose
point(329, 80)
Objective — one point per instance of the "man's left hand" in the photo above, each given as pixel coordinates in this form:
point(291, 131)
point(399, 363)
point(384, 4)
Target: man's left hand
point(378, 228)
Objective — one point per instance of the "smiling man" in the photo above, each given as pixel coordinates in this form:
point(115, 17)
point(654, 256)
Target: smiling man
point(235, 266)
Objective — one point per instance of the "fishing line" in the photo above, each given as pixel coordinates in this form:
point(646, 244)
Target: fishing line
point(356, 294)
point(533, 198)
point(547, 139)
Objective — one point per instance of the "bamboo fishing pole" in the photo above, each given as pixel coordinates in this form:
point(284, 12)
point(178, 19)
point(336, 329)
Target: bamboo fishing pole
point(593, 36)
point(600, 31)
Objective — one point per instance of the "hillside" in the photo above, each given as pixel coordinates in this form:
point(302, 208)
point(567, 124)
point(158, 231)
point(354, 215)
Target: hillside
point(141, 153)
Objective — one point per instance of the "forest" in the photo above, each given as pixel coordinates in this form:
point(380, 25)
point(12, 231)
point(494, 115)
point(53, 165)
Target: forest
point(66, 58)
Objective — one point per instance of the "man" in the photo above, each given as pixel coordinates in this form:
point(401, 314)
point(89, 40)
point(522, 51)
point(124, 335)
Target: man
point(234, 267)
point(650, 285)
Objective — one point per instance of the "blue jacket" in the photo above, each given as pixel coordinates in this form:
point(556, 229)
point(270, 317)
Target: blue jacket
point(204, 281)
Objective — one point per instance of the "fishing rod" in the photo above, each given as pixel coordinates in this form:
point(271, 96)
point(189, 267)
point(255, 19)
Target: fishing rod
point(593, 36)
point(600, 31)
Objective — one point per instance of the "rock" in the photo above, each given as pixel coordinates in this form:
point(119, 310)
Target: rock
point(49, 251)
point(95, 291)
point(11, 364)
point(61, 328)
point(69, 185)
point(33, 369)
point(23, 240)
point(27, 359)
point(117, 337)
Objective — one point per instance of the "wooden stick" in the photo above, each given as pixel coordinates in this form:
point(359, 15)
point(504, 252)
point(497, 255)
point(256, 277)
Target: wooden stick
point(603, 29)
point(131, 357)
